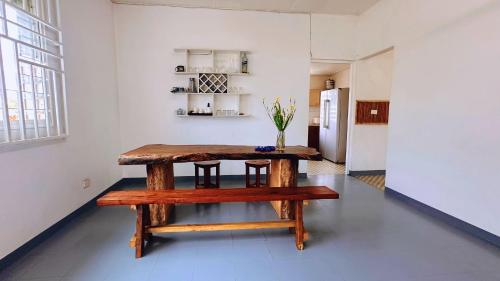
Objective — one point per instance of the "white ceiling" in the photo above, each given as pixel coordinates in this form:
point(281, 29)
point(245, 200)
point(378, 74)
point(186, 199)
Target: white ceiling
point(337, 7)
point(327, 68)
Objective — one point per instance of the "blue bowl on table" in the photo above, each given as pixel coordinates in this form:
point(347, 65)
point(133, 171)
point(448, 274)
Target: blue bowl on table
point(265, 148)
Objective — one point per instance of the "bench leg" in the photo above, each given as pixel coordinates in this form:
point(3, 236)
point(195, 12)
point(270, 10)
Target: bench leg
point(147, 223)
point(299, 226)
point(139, 230)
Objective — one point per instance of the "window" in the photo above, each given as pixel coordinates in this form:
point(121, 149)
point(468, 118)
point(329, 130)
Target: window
point(32, 90)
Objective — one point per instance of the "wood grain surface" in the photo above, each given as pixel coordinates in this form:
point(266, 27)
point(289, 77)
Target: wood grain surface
point(162, 153)
point(221, 226)
point(284, 174)
point(191, 196)
point(160, 177)
point(299, 225)
point(364, 113)
point(258, 163)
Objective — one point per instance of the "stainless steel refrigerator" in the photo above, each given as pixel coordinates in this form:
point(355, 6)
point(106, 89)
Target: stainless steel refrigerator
point(333, 124)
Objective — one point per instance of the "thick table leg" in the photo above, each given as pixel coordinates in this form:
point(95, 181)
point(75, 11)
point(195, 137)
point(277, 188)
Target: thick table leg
point(299, 226)
point(160, 176)
point(284, 174)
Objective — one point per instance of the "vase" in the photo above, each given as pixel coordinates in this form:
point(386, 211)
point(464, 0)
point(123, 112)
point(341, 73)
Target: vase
point(280, 141)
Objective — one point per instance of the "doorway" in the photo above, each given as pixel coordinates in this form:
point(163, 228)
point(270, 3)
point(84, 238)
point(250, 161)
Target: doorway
point(369, 81)
point(368, 128)
point(328, 116)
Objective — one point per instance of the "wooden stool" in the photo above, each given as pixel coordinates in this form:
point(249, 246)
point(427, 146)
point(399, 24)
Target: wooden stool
point(207, 166)
point(257, 165)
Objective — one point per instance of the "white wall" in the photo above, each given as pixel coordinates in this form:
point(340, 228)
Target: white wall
point(278, 63)
point(368, 143)
point(393, 21)
point(317, 82)
point(443, 138)
point(342, 78)
point(333, 37)
point(41, 185)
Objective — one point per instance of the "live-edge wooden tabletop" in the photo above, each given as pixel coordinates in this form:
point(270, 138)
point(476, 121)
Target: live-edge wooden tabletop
point(163, 153)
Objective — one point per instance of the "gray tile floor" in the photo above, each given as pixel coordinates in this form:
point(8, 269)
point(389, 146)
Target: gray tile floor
point(363, 236)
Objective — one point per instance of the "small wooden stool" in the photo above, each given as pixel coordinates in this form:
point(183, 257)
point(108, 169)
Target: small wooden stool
point(257, 165)
point(207, 166)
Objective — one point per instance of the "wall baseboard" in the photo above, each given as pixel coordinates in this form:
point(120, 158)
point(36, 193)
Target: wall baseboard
point(367, 173)
point(446, 218)
point(44, 235)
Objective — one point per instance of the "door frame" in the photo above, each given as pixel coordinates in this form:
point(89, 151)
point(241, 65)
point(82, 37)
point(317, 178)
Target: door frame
point(353, 82)
point(350, 115)
point(352, 103)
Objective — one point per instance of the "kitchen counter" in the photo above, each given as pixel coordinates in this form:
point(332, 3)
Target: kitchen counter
point(313, 136)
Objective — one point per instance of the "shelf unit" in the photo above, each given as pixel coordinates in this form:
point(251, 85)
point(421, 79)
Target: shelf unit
point(207, 94)
point(204, 63)
point(213, 116)
point(227, 73)
point(230, 101)
point(198, 61)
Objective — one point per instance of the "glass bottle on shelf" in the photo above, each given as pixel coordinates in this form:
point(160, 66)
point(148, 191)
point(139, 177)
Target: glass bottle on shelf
point(192, 85)
point(244, 63)
point(209, 109)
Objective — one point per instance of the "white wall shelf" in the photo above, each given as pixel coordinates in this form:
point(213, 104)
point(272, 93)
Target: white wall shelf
point(207, 51)
point(227, 73)
point(213, 116)
point(210, 66)
point(210, 94)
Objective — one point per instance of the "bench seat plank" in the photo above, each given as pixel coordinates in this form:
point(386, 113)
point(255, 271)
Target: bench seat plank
point(142, 198)
point(191, 196)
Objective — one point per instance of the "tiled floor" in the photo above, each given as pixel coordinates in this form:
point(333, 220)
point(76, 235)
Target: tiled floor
point(364, 236)
point(375, 181)
point(325, 167)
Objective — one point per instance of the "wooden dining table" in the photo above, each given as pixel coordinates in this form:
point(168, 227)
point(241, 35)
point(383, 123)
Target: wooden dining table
point(159, 160)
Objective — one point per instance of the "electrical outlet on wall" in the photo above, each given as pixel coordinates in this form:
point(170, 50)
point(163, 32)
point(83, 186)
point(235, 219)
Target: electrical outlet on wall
point(85, 183)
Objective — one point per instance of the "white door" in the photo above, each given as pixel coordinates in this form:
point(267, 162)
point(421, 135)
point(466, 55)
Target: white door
point(331, 130)
point(323, 122)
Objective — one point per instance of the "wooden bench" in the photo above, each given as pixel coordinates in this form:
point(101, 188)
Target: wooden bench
point(144, 229)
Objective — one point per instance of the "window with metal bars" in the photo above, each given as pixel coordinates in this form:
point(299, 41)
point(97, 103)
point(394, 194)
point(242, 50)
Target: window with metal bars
point(32, 89)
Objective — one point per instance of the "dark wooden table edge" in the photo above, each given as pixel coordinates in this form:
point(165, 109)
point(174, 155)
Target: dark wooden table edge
point(208, 157)
point(151, 158)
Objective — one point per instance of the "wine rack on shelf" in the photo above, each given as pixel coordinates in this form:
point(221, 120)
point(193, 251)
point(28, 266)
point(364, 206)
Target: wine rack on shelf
point(212, 83)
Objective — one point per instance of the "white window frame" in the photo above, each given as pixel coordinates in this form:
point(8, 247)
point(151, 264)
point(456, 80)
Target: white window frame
point(58, 101)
